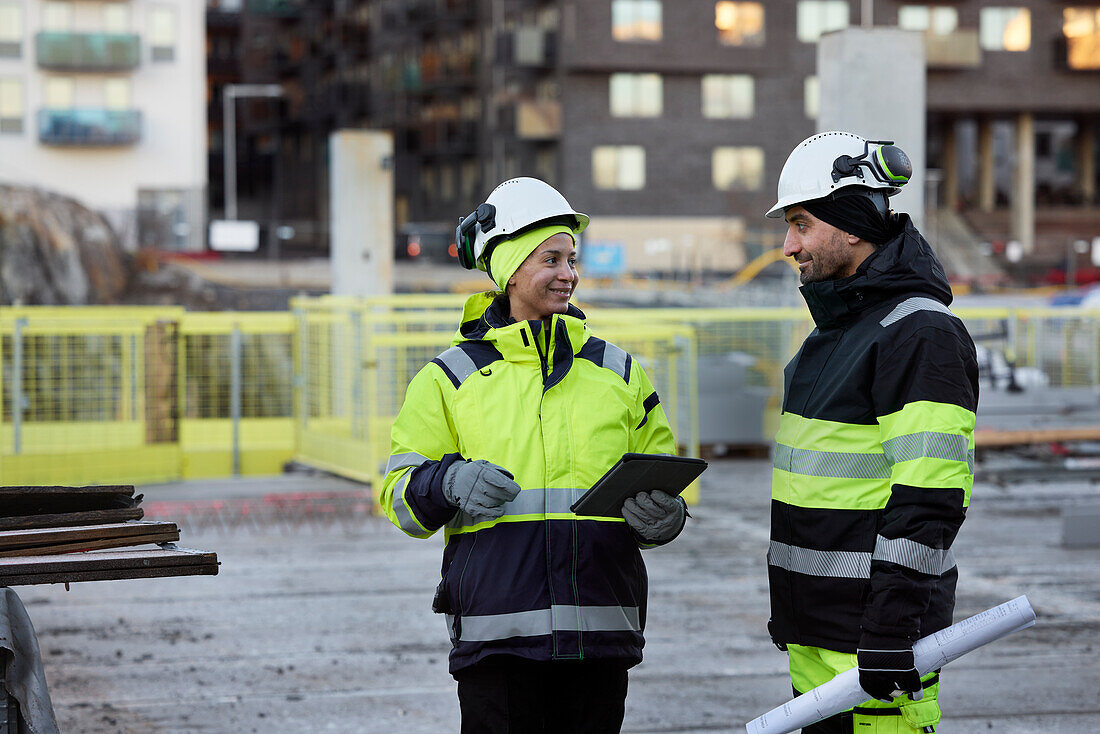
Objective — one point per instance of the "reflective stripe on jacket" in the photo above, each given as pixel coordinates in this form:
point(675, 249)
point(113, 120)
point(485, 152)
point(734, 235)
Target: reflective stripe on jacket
point(556, 410)
point(873, 463)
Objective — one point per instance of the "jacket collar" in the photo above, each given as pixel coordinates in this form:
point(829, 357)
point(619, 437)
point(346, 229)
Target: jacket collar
point(485, 317)
point(902, 266)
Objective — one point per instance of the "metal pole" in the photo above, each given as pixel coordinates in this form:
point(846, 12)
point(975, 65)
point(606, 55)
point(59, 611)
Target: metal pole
point(17, 386)
point(357, 411)
point(229, 162)
point(235, 395)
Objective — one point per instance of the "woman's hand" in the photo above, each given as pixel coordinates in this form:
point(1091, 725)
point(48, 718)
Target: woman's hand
point(655, 516)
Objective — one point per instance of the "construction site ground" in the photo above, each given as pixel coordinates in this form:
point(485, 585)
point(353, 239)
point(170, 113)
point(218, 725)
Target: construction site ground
point(320, 622)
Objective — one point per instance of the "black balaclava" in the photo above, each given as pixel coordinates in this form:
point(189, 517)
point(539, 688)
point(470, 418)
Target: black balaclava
point(855, 214)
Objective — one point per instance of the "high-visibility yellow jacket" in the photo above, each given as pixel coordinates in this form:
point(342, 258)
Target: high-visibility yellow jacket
point(873, 462)
point(557, 409)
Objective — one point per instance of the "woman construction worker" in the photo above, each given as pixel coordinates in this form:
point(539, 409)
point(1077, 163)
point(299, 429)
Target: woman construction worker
point(497, 438)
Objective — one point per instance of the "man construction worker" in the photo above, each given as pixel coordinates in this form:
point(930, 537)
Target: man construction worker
point(873, 460)
point(497, 438)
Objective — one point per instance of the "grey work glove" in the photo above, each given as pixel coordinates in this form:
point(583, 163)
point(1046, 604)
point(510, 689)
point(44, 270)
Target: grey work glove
point(886, 668)
point(655, 516)
point(479, 488)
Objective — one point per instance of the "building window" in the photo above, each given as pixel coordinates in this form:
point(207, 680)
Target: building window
point(811, 97)
point(57, 16)
point(635, 95)
point(116, 18)
point(618, 167)
point(636, 20)
point(727, 95)
point(1005, 29)
point(938, 19)
point(1081, 27)
point(469, 182)
point(162, 33)
point(11, 30)
point(815, 17)
point(59, 93)
point(739, 24)
point(738, 168)
point(11, 106)
point(546, 165)
point(116, 94)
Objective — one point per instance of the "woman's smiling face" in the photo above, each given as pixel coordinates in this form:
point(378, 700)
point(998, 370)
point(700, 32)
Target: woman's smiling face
point(545, 282)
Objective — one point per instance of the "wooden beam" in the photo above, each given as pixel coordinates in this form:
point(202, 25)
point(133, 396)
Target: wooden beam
point(45, 536)
point(62, 519)
point(77, 546)
point(106, 565)
point(987, 438)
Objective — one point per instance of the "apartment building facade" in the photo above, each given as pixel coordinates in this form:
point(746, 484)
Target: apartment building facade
point(669, 121)
point(105, 102)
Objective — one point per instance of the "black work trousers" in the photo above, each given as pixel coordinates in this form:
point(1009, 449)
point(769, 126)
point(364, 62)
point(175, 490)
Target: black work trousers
point(505, 694)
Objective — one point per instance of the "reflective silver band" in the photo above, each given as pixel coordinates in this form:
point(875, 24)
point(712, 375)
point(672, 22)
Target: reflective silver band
point(614, 359)
point(830, 463)
point(914, 555)
point(910, 306)
point(857, 564)
point(400, 461)
point(834, 564)
point(533, 501)
point(401, 510)
point(459, 363)
point(927, 445)
point(558, 618)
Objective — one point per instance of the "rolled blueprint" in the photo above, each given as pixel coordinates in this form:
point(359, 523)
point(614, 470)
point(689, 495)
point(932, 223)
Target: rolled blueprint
point(929, 653)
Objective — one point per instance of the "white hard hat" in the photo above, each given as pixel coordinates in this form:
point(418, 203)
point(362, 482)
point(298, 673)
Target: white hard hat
point(825, 163)
point(513, 207)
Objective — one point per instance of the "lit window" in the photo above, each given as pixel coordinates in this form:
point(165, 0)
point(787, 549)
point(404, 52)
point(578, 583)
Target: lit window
point(11, 30)
point(739, 24)
point(636, 20)
point(11, 106)
point(635, 95)
point(162, 33)
point(811, 97)
point(116, 94)
point(57, 16)
point(618, 167)
point(727, 95)
point(941, 21)
point(59, 92)
point(738, 168)
point(1081, 27)
point(1005, 29)
point(116, 18)
point(815, 17)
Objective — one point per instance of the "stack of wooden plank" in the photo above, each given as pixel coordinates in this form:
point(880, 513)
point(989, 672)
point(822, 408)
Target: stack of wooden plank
point(63, 534)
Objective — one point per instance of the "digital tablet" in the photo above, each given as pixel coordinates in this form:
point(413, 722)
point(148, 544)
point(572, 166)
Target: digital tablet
point(637, 473)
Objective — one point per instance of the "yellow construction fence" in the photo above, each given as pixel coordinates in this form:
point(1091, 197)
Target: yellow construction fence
point(140, 395)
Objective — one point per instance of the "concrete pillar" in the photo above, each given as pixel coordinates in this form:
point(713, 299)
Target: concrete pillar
point(361, 212)
point(1023, 183)
point(890, 103)
point(987, 183)
point(1086, 160)
point(950, 166)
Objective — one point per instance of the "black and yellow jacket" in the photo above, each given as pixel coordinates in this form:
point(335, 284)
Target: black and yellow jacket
point(557, 409)
point(873, 461)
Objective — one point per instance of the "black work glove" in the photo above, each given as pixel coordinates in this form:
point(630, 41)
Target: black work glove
point(886, 668)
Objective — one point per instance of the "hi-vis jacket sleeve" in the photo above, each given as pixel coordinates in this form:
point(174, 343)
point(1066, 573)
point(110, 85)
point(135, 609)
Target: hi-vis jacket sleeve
point(926, 395)
point(652, 436)
point(422, 447)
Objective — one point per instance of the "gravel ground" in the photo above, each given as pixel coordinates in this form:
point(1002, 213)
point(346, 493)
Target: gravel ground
point(322, 624)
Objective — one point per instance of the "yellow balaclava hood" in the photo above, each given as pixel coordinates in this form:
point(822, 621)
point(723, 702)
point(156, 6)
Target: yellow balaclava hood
point(507, 256)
